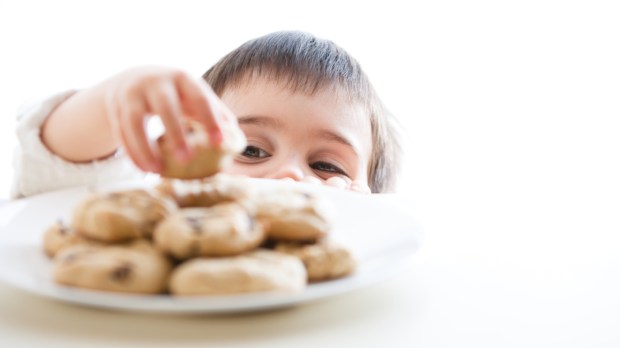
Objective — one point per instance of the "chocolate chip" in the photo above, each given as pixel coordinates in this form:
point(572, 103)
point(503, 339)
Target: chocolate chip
point(122, 272)
point(269, 243)
point(195, 224)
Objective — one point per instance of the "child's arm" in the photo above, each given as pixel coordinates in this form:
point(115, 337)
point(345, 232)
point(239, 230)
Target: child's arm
point(94, 122)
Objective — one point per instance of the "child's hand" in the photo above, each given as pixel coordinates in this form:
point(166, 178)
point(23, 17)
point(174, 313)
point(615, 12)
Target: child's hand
point(135, 95)
point(341, 183)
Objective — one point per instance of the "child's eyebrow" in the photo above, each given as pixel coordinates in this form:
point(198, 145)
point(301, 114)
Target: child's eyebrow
point(261, 121)
point(328, 135)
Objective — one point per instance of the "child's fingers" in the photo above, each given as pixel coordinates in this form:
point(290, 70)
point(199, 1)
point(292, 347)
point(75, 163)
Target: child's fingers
point(199, 100)
point(337, 182)
point(360, 187)
point(347, 184)
point(133, 136)
point(227, 114)
point(163, 101)
point(311, 180)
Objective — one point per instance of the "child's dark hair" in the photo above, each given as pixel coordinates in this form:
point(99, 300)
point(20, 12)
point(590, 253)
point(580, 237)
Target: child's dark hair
point(307, 64)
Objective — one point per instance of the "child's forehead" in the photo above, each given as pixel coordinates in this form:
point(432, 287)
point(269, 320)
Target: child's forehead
point(272, 85)
point(298, 113)
point(275, 93)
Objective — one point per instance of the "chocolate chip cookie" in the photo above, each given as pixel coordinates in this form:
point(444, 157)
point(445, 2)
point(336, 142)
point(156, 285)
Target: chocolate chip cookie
point(206, 192)
point(294, 215)
point(221, 230)
point(206, 159)
point(60, 236)
point(121, 216)
point(134, 268)
point(323, 260)
point(256, 271)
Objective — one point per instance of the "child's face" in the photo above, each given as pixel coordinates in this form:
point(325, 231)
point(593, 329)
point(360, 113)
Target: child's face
point(297, 136)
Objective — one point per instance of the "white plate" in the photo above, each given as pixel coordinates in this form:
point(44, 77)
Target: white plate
point(381, 236)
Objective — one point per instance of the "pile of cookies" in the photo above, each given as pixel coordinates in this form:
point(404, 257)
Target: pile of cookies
point(212, 236)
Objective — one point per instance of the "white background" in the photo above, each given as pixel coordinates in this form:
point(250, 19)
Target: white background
point(511, 110)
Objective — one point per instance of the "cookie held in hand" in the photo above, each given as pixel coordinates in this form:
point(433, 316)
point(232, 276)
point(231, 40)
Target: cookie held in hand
point(206, 158)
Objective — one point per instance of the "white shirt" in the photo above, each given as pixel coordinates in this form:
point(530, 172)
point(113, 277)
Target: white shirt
point(37, 170)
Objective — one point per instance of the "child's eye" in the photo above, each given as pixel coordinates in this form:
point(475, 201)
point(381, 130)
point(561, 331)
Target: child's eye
point(254, 152)
point(327, 167)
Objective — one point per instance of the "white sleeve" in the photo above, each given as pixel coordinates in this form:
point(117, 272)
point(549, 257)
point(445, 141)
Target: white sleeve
point(37, 170)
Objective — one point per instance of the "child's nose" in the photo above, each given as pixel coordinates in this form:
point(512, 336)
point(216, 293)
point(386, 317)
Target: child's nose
point(291, 169)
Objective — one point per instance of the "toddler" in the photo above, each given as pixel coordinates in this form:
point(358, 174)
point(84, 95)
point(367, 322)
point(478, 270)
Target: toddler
point(306, 107)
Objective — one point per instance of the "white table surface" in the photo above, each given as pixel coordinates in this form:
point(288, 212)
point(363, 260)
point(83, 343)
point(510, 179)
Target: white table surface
point(521, 287)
